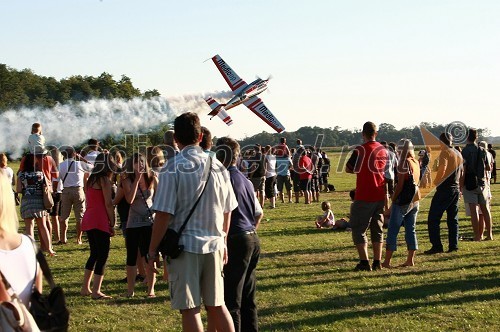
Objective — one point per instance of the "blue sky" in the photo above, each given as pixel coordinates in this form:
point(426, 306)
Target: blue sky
point(334, 63)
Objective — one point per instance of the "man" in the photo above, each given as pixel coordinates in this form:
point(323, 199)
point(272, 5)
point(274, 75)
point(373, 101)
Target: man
point(368, 162)
point(475, 165)
point(206, 142)
point(243, 244)
point(283, 165)
point(389, 176)
point(257, 172)
point(171, 148)
point(72, 173)
point(447, 181)
point(197, 272)
point(93, 152)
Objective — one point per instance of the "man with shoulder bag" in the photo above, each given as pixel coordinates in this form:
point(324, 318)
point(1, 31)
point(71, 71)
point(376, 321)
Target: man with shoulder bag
point(199, 266)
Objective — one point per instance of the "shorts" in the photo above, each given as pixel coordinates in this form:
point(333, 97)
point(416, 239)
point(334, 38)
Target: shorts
point(315, 184)
point(364, 216)
point(56, 209)
point(258, 183)
point(296, 182)
point(476, 196)
point(73, 197)
point(270, 184)
point(305, 185)
point(196, 276)
point(283, 180)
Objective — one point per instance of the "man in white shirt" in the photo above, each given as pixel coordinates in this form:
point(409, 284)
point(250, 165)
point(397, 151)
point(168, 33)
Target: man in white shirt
point(93, 146)
point(197, 272)
point(71, 174)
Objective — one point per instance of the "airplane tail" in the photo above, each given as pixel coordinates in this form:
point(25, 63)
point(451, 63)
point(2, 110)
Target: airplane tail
point(215, 106)
point(218, 109)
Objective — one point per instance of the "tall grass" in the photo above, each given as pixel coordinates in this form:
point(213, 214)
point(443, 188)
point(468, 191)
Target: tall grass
point(306, 280)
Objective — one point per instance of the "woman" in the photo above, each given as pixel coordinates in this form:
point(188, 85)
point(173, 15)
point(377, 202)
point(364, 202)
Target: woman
point(404, 213)
point(18, 263)
point(156, 159)
point(31, 180)
point(139, 187)
point(53, 226)
point(98, 221)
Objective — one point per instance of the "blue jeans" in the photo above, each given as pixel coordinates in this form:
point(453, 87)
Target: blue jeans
point(402, 215)
point(444, 200)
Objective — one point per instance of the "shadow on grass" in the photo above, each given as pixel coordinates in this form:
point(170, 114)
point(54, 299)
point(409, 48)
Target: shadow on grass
point(333, 310)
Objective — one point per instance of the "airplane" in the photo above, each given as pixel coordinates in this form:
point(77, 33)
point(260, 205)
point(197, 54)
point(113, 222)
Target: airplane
point(245, 94)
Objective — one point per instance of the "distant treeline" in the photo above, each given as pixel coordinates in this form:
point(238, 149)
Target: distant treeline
point(340, 137)
point(23, 88)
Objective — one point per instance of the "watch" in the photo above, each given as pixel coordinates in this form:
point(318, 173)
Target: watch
point(151, 257)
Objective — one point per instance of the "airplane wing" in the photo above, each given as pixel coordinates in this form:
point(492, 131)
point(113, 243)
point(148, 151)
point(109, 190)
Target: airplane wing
point(225, 117)
point(256, 105)
point(233, 80)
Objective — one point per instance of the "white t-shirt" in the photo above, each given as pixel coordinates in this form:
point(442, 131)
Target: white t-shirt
point(270, 165)
point(19, 268)
point(91, 156)
point(7, 171)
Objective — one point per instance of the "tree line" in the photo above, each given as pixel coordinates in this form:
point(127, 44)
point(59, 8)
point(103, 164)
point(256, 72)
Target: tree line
point(24, 88)
point(335, 137)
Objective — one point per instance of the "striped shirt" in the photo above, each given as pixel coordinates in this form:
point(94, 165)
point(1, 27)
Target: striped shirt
point(179, 186)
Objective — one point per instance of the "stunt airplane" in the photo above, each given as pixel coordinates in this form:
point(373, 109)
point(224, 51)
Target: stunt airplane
point(243, 94)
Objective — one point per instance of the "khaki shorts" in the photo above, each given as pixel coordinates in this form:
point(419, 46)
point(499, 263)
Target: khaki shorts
point(193, 277)
point(73, 197)
point(476, 196)
point(364, 216)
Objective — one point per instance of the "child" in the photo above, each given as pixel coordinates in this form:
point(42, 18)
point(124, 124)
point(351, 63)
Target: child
point(327, 219)
point(342, 223)
point(36, 140)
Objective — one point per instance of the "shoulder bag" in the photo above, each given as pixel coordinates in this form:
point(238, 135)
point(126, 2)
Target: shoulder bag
point(48, 200)
point(14, 316)
point(169, 245)
point(49, 311)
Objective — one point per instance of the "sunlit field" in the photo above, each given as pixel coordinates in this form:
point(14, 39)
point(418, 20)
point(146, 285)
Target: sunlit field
point(306, 280)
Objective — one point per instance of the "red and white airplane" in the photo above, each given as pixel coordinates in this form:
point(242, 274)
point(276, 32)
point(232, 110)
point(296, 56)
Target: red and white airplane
point(243, 94)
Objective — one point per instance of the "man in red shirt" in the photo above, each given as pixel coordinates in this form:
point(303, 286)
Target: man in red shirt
point(368, 163)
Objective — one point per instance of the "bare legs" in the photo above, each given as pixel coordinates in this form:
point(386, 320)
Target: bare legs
point(219, 319)
point(43, 233)
point(55, 228)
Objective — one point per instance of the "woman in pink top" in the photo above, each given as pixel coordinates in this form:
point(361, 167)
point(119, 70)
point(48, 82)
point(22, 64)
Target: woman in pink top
point(98, 221)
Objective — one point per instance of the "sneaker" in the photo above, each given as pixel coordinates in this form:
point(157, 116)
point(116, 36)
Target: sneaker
point(433, 251)
point(362, 267)
point(452, 250)
point(376, 266)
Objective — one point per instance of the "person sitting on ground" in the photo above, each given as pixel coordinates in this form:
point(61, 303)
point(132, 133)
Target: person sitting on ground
point(326, 220)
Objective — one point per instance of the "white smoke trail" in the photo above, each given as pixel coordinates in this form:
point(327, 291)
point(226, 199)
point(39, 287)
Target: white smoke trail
point(74, 124)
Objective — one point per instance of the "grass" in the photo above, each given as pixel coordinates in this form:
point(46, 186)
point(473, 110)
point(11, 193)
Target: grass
point(306, 280)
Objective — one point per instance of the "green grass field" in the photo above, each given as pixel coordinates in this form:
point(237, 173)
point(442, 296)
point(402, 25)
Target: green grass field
point(306, 280)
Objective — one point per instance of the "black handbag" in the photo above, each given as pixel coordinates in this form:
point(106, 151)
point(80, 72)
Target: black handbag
point(49, 311)
point(409, 190)
point(169, 245)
